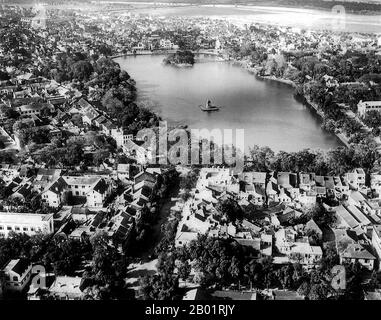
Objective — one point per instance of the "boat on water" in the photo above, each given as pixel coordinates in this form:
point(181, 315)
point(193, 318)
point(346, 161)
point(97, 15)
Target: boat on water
point(209, 107)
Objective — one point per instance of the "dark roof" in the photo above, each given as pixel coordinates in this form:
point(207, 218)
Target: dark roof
point(83, 103)
point(48, 172)
point(101, 186)
point(252, 243)
point(144, 176)
point(146, 191)
point(98, 219)
point(126, 222)
point(141, 202)
point(58, 186)
point(17, 180)
point(25, 190)
point(20, 266)
point(130, 210)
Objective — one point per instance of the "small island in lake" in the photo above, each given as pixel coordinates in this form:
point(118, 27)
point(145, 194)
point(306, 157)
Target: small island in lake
point(180, 59)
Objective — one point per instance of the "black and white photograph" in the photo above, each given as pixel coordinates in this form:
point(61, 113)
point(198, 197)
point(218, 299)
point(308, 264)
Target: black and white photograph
point(186, 155)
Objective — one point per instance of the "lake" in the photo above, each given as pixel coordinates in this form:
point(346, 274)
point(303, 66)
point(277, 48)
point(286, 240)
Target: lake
point(266, 110)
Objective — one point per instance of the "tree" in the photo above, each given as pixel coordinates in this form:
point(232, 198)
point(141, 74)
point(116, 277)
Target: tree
point(104, 257)
point(81, 70)
point(230, 209)
point(262, 158)
point(321, 216)
point(372, 119)
point(74, 154)
point(4, 75)
point(159, 287)
point(100, 156)
point(184, 270)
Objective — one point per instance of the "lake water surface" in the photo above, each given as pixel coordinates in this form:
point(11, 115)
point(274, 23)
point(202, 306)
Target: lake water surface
point(267, 111)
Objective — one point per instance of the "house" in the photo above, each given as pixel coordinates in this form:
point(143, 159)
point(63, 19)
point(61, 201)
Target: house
point(344, 218)
point(45, 177)
point(123, 171)
point(121, 137)
point(365, 106)
point(98, 194)
point(357, 253)
point(166, 44)
point(185, 237)
point(359, 216)
point(89, 113)
point(23, 192)
point(17, 274)
point(375, 182)
point(296, 252)
point(284, 239)
point(356, 178)
point(356, 198)
point(54, 194)
point(272, 191)
point(29, 223)
point(287, 180)
point(373, 295)
point(312, 227)
point(254, 178)
point(34, 109)
point(307, 198)
point(145, 176)
point(66, 288)
point(215, 177)
point(306, 181)
point(288, 214)
point(304, 253)
point(136, 150)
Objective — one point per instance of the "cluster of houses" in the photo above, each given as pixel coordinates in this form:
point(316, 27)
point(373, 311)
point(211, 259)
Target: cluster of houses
point(277, 205)
point(74, 115)
point(79, 209)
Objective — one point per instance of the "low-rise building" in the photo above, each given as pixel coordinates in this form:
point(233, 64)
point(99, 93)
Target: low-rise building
point(66, 288)
point(17, 274)
point(357, 253)
point(28, 223)
point(365, 106)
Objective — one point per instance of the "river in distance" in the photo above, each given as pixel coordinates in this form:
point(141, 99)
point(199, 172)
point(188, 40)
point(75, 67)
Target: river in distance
point(266, 110)
point(336, 19)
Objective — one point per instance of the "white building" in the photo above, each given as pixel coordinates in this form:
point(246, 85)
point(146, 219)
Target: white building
point(94, 188)
point(166, 44)
point(365, 106)
point(17, 274)
point(221, 177)
point(29, 223)
point(356, 178)
point(66, 288)
point(120, 137)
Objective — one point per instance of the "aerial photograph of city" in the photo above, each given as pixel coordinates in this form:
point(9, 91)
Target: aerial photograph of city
point(182, 150)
